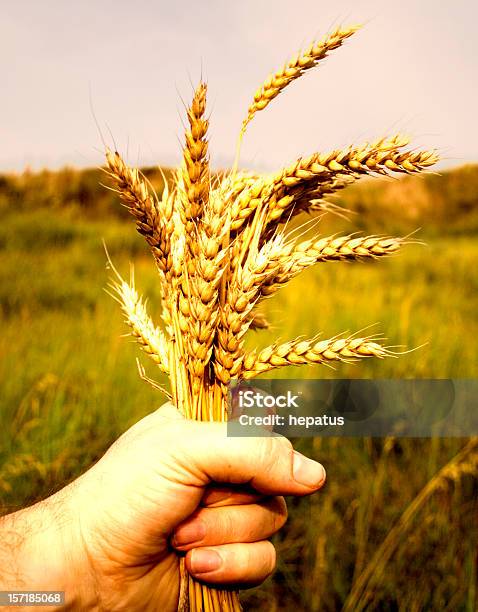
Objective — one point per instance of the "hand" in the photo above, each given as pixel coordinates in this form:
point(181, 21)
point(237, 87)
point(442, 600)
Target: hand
point(166, 485)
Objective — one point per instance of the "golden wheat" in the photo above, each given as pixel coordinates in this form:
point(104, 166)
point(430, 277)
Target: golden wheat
point(154, 218)
point(136, 194)
point(294, 68)
point(151, 339)
point(195, 159)
point(220, 251)
point(321, 174)
point(295, 258)
point(314, 351)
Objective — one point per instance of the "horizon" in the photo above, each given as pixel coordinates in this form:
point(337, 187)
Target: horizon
point(76, 168)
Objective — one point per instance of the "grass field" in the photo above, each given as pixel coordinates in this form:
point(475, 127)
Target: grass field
point(70, 386)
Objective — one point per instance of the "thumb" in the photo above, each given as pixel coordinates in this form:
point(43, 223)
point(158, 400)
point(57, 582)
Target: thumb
point(269, 464)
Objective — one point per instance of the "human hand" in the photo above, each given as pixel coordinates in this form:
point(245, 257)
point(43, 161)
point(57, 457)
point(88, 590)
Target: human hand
point(168, 485)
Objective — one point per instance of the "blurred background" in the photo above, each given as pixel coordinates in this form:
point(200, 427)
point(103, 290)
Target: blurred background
point(396, 526)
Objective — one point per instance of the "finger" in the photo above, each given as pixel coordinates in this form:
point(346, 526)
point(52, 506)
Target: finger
point(214, 526)
point(216, 496)
point(247, 564)
point(268, 464)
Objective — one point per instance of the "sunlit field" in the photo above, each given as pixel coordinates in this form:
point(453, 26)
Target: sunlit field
point(69, 386)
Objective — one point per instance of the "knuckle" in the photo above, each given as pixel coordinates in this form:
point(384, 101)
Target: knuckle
point(274, 449)
point(284, 442)
point(267, 454)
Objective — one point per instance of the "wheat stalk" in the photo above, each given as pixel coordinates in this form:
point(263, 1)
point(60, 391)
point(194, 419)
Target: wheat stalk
point(465, 462)
point(220, 249)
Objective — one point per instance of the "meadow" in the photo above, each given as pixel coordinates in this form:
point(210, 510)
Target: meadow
point(69, 383)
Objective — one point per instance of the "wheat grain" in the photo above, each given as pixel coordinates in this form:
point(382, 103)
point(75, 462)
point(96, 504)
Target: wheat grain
point(258, 321)
point(243, 289)
point(322, 174)
point(198, 305)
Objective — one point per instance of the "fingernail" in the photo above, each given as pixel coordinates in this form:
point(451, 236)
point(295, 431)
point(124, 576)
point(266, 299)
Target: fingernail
point(189, 533)
point(307, 472)
point(204, 561)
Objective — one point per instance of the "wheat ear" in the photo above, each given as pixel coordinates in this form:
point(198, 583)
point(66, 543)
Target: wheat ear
point(243, 289)
point(198, 304)
point(294, 68)
point(151, 339)
point(154, 217)
point(296, 258)
point(313, 351)
point(195, 168)
point(142, 204)
point(321, 174)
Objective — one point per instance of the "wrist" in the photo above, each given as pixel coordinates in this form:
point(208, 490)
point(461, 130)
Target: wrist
point(42, 548)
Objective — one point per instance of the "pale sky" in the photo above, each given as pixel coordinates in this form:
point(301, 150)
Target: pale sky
point(412, 68)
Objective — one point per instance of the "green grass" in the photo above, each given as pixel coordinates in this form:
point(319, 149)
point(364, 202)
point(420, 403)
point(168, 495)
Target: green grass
point(70, 387)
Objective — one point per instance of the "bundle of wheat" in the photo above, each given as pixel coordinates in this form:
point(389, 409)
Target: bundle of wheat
point(221, 246)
